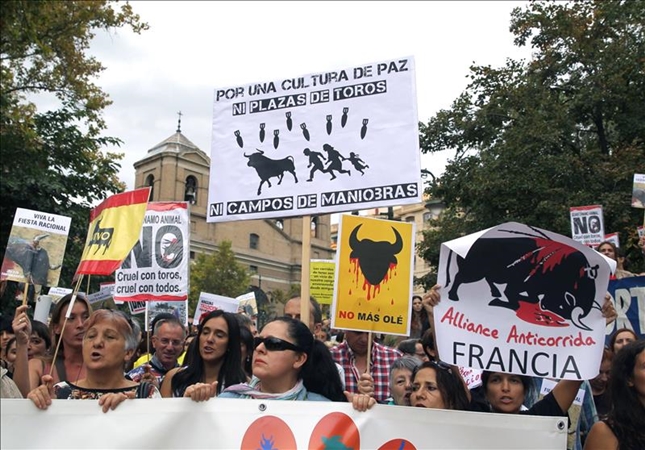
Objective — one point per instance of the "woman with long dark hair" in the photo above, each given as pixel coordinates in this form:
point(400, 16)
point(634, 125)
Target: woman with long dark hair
point(214, 360)
point(419, 319)
point(624, 427)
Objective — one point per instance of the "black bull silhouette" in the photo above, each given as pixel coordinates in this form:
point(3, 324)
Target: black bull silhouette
point(269, 168)
point(374, 258)
point(33, 259)
point(544, 281)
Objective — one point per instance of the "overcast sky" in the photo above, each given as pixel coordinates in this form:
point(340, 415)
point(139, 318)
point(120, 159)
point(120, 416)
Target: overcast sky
point(192, 48)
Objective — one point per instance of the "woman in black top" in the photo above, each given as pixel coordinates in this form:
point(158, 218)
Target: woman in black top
point(505, 394)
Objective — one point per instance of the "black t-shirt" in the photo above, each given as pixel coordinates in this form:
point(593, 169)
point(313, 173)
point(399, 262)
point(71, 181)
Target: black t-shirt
point(602, 404)
point(548, 406)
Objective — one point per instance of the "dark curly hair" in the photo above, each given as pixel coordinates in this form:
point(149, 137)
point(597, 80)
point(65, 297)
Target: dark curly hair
point(626, 417)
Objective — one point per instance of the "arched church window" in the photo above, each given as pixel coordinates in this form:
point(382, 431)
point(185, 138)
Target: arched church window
point(190, 194)
point(314, 227)
point(254, 241)
point(150, 182)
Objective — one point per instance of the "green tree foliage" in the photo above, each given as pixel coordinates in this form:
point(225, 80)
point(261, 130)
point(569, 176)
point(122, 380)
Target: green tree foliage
point(218, 273)
point(564, 129)
point(280, 296)
point(53, 161)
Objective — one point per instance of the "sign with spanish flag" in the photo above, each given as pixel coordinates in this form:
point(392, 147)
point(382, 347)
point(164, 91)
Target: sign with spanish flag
point(115, 226)
point(373, 283)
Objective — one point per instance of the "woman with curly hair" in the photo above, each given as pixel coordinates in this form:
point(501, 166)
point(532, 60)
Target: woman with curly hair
point(624, 427)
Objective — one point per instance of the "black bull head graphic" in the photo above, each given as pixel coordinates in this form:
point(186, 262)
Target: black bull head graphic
point(374, 257)
point(544, 281)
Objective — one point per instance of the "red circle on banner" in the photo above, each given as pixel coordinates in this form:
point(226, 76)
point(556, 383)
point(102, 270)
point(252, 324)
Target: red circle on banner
point(398, 444)
point(335, 430)
point(268, 433)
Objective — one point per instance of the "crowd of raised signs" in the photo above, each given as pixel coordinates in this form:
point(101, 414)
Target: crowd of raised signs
point(103, 356)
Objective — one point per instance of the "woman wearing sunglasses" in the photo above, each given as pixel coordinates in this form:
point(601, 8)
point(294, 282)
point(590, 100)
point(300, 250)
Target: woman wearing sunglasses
point(214, 360)
point(435, 384)
point(282, 362)
point(290, 364)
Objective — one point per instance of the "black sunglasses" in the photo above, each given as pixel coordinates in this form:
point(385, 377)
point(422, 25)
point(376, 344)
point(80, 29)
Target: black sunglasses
point(442, 365)
point(274, 344)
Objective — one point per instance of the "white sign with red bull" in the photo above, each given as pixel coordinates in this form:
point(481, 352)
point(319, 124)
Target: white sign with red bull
point(320, 143)
point(519, 299)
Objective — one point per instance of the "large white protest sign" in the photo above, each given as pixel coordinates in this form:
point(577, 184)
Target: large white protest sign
point(211, 302)
point(519, 299)
point(36, 248)
point(319, 143)
point(268, 424)
point(157, 267)
point(587, 225)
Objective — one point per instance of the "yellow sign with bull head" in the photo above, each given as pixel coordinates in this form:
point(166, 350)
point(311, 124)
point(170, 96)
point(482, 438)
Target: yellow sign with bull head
point(373, 284)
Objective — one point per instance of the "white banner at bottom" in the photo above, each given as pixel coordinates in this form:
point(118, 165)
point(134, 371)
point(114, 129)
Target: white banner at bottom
point(256, 424)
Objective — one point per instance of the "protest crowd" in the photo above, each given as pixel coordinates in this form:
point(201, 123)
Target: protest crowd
point(101, 357)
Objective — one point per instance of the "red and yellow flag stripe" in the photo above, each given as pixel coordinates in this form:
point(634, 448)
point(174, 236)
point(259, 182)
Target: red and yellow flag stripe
point(115, 226)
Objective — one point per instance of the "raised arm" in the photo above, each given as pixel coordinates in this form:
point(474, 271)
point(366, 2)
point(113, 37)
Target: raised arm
point(565, 393)
point(22, 329)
